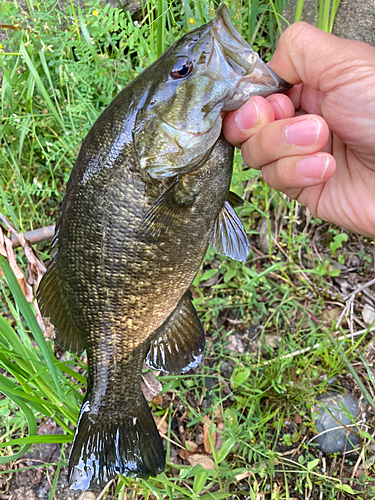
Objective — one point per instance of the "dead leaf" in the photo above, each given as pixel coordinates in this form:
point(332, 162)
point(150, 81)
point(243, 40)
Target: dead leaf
point(150, 386)
point(161, 424)
point(244, 475)
point(219, 414)
point(35, 266)
point(206, 434)
point(205, 461)
point(219, 436)
point(368, 314)
point(184, 454)
point(158, 400)
point(198, 437)
point(191, 446)
point(191, 449)
point(235, 344)
point(87, 495)
point(11, 258)
point(297, 419)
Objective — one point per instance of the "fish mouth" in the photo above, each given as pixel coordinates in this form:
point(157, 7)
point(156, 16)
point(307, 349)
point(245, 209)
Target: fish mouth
point(254, 76)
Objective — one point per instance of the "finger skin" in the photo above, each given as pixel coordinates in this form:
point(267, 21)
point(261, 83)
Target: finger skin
point(330, 167)
point(285, 175)
point(272, 142)
point(338, 77)
point(246, 121)
point(282, 106)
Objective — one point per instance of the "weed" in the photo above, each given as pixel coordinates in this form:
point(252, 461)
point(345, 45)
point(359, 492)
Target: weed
point(239, 426)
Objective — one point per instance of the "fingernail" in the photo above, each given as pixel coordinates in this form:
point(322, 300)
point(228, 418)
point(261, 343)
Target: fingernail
point(248, 117)
point(303, 133)
point(313, 167)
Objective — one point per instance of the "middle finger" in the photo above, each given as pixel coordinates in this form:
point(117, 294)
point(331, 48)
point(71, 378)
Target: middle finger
point(300, 135)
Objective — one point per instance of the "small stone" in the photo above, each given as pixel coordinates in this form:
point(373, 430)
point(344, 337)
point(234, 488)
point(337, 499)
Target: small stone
point(264, 240)
point(235, 344)
point(331, 412)
point(226, 368)
point(87, 495)
point(368, 314)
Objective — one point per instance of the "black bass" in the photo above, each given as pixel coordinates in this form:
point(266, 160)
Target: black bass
point(149, 192)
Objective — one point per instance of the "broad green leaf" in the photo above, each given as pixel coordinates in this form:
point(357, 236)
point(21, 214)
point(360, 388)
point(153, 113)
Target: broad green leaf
point(200, 479)
point(225, 449)
point(239, 376)
point(346, 488)
point(45, 438)
point(311, 465)
point(32, 430)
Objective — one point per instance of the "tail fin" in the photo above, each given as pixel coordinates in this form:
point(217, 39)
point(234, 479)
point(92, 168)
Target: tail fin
point(103, 448)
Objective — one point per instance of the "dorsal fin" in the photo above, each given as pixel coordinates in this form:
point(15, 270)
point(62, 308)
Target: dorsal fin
point(54, 304)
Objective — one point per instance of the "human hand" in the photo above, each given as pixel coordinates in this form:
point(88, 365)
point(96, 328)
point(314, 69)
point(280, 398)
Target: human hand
point(325, 159)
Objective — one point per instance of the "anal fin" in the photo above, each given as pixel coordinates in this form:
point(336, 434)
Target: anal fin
point(180, 345)
point(228, 236)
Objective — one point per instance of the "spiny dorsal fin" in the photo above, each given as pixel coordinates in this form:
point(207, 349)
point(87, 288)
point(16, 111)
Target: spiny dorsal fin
point(164, 213)
point(228, 236)
point(54, 304)
point(180, 345)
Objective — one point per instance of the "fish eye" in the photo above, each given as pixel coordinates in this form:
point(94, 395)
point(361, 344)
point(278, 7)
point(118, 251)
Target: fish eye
point(181, 68)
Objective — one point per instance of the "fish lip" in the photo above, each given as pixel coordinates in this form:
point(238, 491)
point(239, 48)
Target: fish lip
point(263, 75)
point(283, 85)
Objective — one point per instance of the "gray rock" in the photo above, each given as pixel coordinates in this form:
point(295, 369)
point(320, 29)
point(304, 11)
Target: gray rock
point(226, 368)
point(332, 410)
point(355, 19)
point(133, 6)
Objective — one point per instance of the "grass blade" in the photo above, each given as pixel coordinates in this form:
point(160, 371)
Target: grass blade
point(31, 320)
point(32, 430)
point(40, 84)
point(299, 9)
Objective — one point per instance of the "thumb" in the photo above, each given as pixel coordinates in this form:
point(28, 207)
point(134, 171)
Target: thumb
point(342, 74)
point(308, 55)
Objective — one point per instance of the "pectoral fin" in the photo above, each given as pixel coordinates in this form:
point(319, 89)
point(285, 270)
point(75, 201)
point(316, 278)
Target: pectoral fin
point(235, 200)
point(180, 345)
point(228, 236)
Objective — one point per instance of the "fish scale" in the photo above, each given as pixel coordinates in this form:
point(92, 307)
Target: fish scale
point(149, 192)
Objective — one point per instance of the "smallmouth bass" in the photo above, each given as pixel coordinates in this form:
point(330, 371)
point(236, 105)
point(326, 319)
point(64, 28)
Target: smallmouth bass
point(148, 193)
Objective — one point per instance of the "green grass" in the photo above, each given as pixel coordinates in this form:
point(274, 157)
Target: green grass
point(280, 308)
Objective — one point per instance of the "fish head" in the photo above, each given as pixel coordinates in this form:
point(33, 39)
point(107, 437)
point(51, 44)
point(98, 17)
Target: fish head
point(207, 72)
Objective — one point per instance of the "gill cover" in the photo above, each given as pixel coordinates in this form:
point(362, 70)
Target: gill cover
point(210, 70)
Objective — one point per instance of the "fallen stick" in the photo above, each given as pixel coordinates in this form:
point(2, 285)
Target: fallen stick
point(36, 236)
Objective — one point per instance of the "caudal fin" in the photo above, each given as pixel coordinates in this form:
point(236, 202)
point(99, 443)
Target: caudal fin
point(104, 448)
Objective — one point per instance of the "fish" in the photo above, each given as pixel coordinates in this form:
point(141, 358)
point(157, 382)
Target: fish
point(149, 192)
